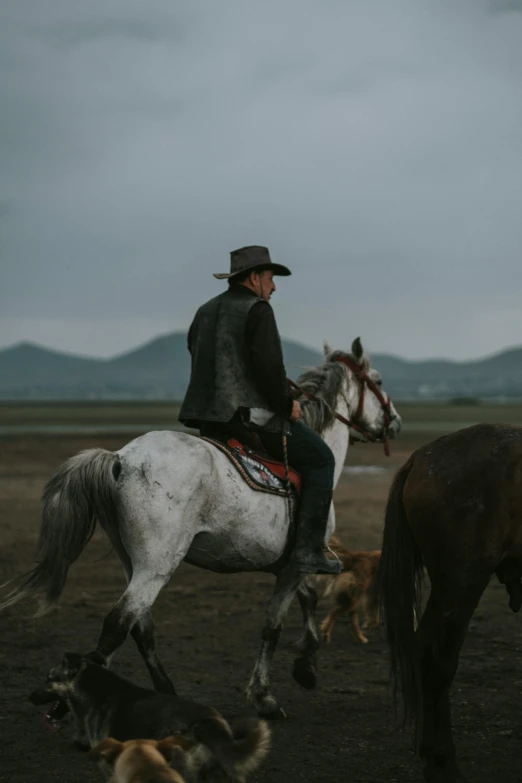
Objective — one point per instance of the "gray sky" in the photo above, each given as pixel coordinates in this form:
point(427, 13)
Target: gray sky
point(374, 145)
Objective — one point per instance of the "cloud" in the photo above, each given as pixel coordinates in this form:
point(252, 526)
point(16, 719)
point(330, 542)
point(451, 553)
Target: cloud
point(374, 147)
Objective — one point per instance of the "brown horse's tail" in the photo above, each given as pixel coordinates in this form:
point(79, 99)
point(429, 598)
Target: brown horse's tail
point(399, 588)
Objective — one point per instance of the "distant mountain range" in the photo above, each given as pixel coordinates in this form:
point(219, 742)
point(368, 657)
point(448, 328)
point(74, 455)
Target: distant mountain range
point(160, 370)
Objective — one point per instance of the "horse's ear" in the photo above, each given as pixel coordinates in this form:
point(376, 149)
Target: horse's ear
point(357, 349)
point(327, 348)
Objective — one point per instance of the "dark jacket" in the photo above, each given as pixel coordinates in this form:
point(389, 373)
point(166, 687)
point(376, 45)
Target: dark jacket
point(237, 361)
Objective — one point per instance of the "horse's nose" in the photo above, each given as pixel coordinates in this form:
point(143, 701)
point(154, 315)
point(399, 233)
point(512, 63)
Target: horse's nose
point(395, 425)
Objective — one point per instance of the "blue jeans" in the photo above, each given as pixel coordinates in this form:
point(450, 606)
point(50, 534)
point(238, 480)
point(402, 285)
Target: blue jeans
point(307, 453)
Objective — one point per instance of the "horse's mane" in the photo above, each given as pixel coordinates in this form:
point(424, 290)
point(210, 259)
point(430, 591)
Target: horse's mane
point(325, 382)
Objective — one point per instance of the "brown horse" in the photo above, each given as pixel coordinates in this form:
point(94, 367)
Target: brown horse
point(456, 508)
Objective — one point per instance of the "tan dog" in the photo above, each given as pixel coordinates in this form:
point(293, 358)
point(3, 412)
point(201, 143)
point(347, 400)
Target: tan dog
point(352, 590)
point(142, 760)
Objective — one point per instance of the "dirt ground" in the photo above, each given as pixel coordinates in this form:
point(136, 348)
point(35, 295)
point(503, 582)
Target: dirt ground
point(209, 631)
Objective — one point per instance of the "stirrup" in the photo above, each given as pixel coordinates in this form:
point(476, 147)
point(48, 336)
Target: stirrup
point(335, 556)
point(319, 564)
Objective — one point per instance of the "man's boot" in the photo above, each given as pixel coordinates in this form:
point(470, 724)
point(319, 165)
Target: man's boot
point(312, 520)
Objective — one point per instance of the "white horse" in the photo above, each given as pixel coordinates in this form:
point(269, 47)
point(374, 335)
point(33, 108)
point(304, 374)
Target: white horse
point(169, 496)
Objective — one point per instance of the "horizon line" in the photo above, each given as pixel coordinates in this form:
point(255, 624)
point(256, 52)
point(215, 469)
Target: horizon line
point(140, 346)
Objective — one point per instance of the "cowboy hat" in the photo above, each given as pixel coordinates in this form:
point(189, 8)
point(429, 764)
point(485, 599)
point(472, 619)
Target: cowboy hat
point(251, 258)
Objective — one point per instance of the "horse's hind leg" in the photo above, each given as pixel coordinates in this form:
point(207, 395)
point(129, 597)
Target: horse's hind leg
point(143, 633)
point(305, 665)
point(133, 607)
point(257, 692)
point(440, 635)
point(509, 573)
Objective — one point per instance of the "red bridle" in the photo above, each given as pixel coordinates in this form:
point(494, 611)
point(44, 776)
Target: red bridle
point(355, 422)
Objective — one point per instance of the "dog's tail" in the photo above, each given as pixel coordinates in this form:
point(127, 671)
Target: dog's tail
point(239, 748)
point(81, 492)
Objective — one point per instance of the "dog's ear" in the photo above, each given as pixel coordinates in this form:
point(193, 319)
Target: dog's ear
point(72, 664)
point(170, 746)
point(109, 750)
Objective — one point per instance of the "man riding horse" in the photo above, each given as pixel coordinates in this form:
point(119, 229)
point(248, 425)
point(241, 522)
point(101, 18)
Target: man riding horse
point(238, 388)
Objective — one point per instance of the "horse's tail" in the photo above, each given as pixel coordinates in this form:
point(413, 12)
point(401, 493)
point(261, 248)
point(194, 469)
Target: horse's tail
point(399, 585)
point(81, 492)
point(239, 748)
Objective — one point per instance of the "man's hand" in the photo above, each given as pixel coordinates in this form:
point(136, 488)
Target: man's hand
point(297, 411)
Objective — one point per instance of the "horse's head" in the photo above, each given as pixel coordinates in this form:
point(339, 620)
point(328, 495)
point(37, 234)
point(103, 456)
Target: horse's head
point(372, 414)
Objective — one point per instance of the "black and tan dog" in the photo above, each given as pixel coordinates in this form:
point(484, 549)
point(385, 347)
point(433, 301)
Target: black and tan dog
point(105, 705)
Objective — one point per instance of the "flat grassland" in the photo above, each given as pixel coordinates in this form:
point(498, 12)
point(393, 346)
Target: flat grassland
point(70, 417)
point(209, 625)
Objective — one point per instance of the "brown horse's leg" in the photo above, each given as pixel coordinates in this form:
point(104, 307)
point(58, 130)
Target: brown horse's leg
point(440, 636)
point(509, 573)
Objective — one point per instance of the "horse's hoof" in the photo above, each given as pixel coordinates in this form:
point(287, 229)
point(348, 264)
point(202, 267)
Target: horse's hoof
point(264, 704)
point(437, 775)
point(99, 658)
point(81, 745)
point(165, 687)
point(273, 713)
point(304, 673)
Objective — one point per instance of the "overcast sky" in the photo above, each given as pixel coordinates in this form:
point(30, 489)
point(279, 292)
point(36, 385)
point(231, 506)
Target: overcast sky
point(374, 145)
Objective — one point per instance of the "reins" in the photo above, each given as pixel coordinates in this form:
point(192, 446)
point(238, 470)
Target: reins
point(355, 423)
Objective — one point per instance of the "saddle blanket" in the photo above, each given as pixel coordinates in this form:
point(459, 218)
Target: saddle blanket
point(260, 471)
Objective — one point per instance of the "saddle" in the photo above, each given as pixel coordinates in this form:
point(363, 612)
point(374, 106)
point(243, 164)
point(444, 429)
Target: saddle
point(260, 471)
